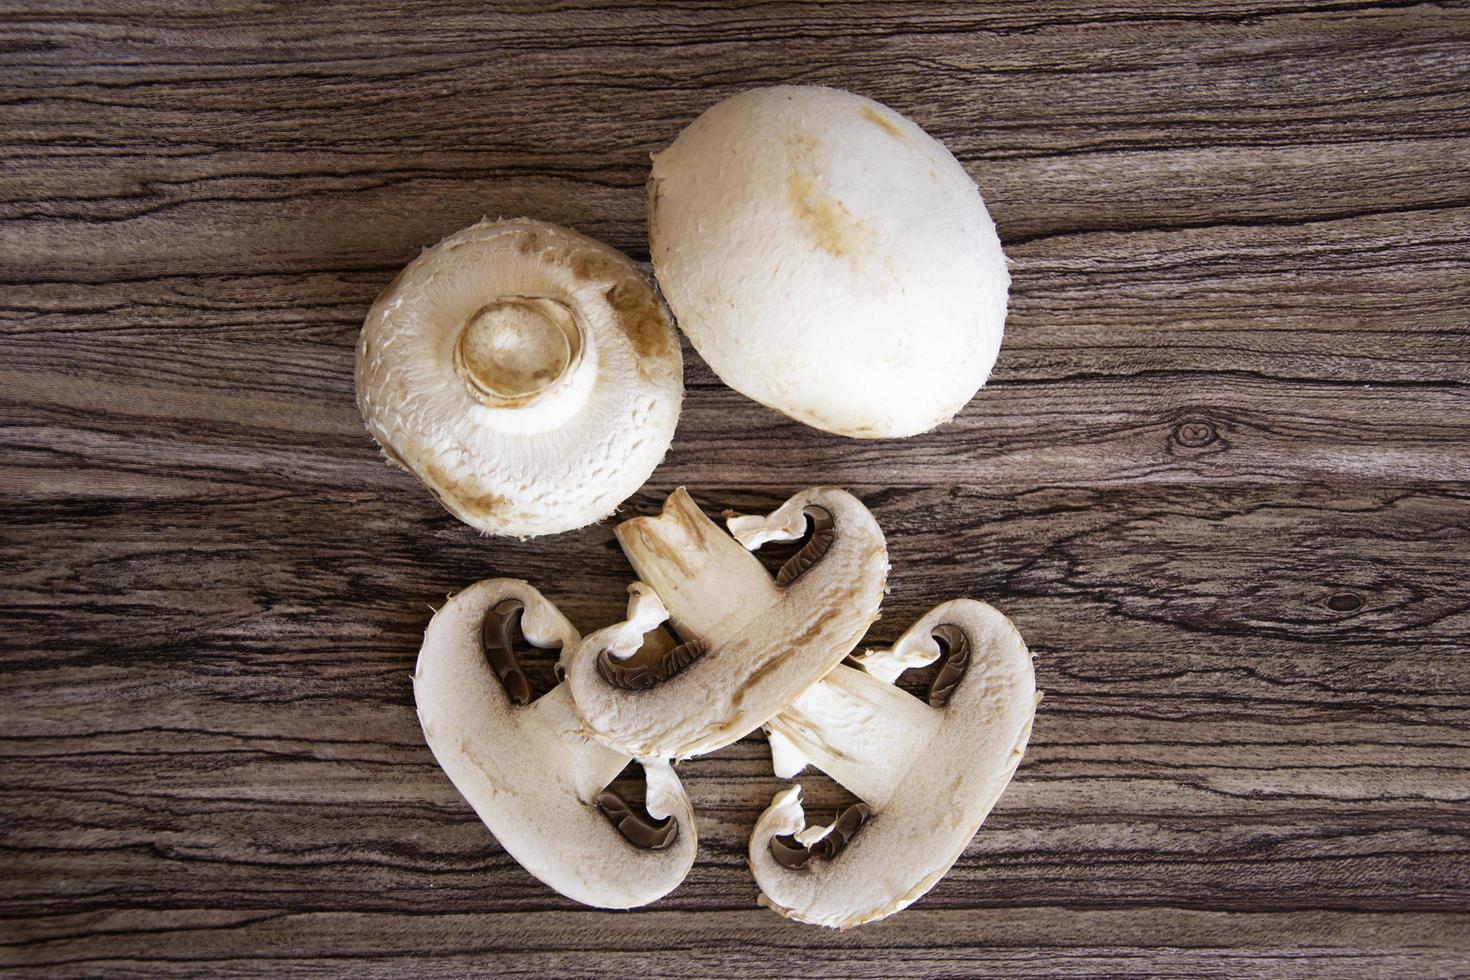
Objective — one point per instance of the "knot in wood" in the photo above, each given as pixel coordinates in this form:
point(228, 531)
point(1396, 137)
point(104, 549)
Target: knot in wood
point(1195, 434)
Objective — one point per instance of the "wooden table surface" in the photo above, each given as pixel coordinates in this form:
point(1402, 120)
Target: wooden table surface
point(1221, 481)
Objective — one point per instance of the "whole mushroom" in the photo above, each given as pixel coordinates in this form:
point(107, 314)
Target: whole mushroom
point(529, 376)
point(829, 259)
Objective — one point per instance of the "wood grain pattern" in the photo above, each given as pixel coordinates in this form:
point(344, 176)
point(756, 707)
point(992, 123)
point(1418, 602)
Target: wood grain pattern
point(1221, 481)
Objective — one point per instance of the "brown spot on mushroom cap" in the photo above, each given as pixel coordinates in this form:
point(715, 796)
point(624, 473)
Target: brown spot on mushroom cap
point(587, 266)
point(641, 318)
point(882, 122)
point(454, 497)
point(836, 231)
point(390, 455)
point(635, 305)
point(529, 243)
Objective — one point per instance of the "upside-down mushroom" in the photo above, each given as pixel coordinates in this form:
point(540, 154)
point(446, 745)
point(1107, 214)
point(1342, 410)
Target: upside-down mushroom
point(830, 259)
point(537, 784)
point(927, 773)
point(529, 376)
point(743, 643)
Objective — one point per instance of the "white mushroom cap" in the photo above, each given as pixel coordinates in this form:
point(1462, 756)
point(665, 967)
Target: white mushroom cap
point(528, 773)
point(928, 776)
point(529, 376)
point(829, 259)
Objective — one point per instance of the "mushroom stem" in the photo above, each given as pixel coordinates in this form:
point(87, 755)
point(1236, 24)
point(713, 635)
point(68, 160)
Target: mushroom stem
point(705, 579)
point(785, 523)
point(861, 731)
point(645, 614)
point(518, 349)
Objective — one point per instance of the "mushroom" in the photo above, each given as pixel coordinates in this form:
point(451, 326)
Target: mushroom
point(927, 774)
point(829, 259)
point(527, 375)
point(535, 782)
point(743, 644)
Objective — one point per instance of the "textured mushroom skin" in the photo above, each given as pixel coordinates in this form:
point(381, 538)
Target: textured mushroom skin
point(829, 259)
point(763, 643)
point(529, 775)
point(931, 775)
point(563, 462)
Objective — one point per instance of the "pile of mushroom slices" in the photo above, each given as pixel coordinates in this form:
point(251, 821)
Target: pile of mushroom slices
point(829, 259)
point(713, 648)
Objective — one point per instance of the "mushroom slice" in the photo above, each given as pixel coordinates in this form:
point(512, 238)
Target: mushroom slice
point(746, 644)
point(536, 783)
point(529, 376)
point(927, 775)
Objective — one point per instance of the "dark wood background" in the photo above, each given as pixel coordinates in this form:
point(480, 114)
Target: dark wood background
point(1221, 480)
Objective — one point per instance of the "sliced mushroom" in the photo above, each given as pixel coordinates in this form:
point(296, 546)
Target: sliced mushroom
point(529, 376)
point(929, 775)
point(535, 782)
point(747, 643)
